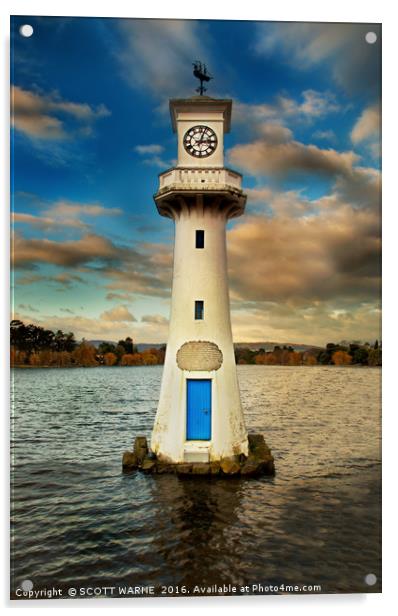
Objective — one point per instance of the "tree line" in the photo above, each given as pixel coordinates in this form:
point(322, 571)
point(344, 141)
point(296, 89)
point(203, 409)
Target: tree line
point(32, 345)
point(333, 354)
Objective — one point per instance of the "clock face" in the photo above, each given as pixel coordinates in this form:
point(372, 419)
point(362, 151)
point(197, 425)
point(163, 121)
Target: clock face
point(200, 141)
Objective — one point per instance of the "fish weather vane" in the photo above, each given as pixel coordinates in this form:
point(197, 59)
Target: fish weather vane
point(200, 72)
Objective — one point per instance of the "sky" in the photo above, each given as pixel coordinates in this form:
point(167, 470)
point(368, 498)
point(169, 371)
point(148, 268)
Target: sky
point(91, 132)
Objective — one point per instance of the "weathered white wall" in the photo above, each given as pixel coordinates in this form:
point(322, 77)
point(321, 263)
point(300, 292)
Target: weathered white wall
point(200, 274)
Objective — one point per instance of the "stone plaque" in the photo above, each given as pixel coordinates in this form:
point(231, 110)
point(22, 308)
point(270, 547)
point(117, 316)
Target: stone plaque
point(199, 355)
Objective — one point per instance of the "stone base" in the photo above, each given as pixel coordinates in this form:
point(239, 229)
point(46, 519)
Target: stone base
point(260, 461)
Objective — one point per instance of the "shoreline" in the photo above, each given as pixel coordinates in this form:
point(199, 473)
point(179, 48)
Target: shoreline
point(25, 366)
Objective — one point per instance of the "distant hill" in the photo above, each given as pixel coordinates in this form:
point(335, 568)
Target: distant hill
point(269, 346)
point(253, 346)
point(96, 343)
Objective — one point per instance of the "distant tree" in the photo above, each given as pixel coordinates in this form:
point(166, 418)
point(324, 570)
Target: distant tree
point(374, 357)
point(64, 358)
point(106, 347)
point(84, 355)
point(119, 352)
point(132, 359)
point(376, 344)
point(34, 359)
point(127, 345)
point(260, 359)
point(268, 359)
point(149, 358)
point(310, 360)
point(246, 355)
point(324, 358)
point(295, 358)
point(110, 359)
point(360, 356)
point(341, 358)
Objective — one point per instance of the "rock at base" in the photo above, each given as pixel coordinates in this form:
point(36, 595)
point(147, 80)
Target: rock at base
point(184, 469)
point(148, 465)
point(200, 468)
point(130, 460)
point(230, 466)
point(165, 468)
point(215, 468)
point(140, 447)
point(260, 461)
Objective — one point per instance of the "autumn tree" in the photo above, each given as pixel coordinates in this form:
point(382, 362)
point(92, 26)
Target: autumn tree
point(309, 359)
point(131, 359)
point(84, 355)
point(374, 357)
point(341, 358)
point(110, 359)
point(294, 359)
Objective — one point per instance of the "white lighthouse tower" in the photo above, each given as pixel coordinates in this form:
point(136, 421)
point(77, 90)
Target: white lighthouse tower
point(199, 416)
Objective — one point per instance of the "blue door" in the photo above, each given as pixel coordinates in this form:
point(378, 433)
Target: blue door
point(198, 409)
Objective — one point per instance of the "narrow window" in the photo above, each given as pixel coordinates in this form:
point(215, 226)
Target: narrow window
point(200, 238)
point(199, 309)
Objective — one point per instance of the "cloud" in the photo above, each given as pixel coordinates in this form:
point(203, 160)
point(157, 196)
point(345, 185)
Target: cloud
point(65, 279)
point(307, 258)
point(27, 307)
point(149, 149)
point(157, 54)
point(85, 327)
point(119, 313)
point(315, 323)
point(146, 271)
point(153, 160)
point(362, 187)
point(44, 223)
point(67, 209)
point(43, 116)
point(327, 135)
point(119, 296)
point(30, 279)
point(85, 250)
point(264, 157)
point(367, 125)
point(155, 318)
point(341, 47)
point(313, 104)
point(63, 214)
point(367, 129)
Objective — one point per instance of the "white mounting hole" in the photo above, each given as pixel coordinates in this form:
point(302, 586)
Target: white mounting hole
point(371, 37)
point(370, 579)
point(26, 30)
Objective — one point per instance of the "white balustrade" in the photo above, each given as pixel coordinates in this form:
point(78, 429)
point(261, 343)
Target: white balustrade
point(184, 177)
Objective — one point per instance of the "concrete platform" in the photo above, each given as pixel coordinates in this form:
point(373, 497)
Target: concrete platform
point(259, 462)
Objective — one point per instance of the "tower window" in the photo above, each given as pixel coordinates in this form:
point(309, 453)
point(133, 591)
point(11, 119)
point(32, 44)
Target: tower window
point(200, 238)
point(199, 309)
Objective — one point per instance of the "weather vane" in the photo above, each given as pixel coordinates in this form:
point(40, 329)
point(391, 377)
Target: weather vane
point(200, 72)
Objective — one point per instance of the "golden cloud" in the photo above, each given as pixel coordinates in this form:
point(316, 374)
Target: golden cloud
point(263, 157)
point(41, 115)
point(335, 253)
point(119, 313)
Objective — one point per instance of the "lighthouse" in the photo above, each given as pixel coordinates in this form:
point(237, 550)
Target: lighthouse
point(199, 416)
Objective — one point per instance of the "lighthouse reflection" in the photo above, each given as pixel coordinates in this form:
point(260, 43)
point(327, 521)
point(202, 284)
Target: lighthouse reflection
point(204, 515)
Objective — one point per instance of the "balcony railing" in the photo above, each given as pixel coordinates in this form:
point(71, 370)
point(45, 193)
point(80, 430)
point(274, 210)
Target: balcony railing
point(183, 178)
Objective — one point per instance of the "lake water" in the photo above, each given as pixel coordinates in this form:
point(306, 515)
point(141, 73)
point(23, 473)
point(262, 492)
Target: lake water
point(79, 522)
